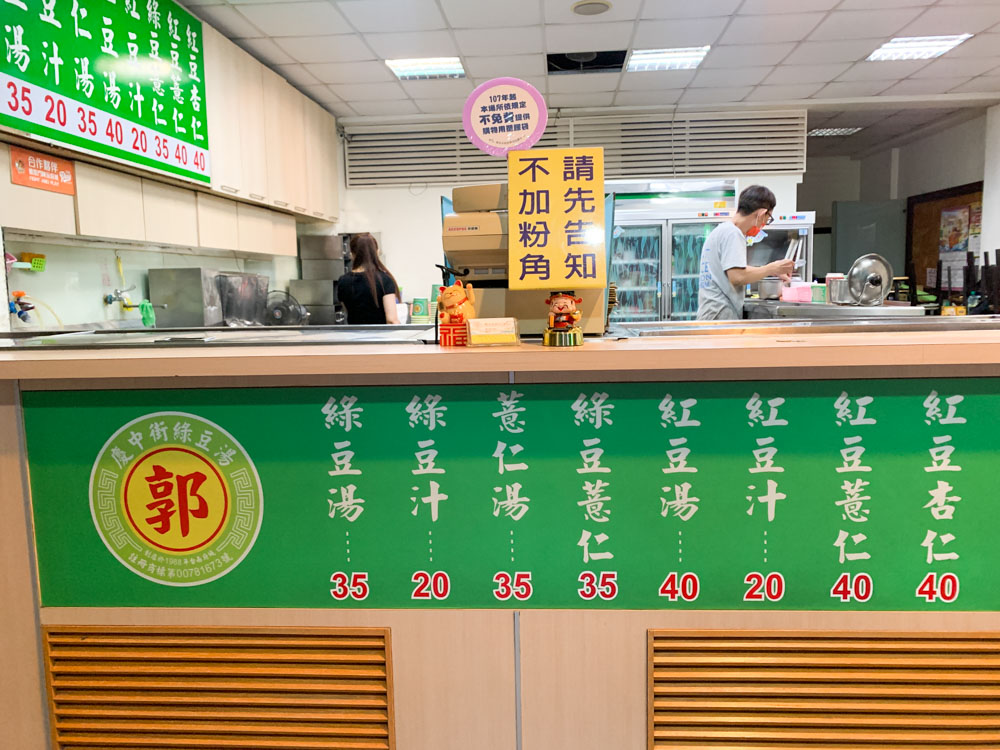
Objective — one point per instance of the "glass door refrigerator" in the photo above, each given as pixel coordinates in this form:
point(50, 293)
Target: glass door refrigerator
point(636, 267)
point(687, 237)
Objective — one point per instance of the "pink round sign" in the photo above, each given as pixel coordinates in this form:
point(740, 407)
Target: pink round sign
point(505, 114)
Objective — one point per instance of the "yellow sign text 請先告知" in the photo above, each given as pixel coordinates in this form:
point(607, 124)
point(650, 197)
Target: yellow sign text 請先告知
point(556, 219)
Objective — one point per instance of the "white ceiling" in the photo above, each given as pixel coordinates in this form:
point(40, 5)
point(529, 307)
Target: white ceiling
point(764, 53)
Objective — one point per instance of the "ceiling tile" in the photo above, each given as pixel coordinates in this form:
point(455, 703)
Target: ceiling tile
point(265, 50)
point(842, 25)
point(658, 79)
point(882, 70)
point(785, 74)
point(859, 119)
point(462, 14)
point(873, 4)
point(440, 89)
point(700, 9)
point(321, 93)
point(583, 37)
point(370, 108)
point(758, 7)
point(687, 32)
point(967, 19)
point(297, 75)
point(441, 106)
point(373, 71)
point(365, 92)
point(848, 89)
point(819, 53)
point(341, 110)
point(574, 101)
point(924, 86)
point(500, 41)
point(981, 85)
point(749, 76)
point(324, 49)
point(296, 19)
point(647, 98)
point(738, 55)
point(228, 20)
point(946, 67)
point(981, 45)
point(789, 92)
point(392, 15)
point(573, 83)
point(715, 96)
point(505, 65)
point(561, 11)
point(412, 44)
point(763, 29)
point(539, 82)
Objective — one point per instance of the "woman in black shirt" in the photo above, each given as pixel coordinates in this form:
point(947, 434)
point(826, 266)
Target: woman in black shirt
point(368, 291)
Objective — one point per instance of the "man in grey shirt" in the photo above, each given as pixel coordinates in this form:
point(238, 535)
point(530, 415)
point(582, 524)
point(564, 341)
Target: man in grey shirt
point(724, 270)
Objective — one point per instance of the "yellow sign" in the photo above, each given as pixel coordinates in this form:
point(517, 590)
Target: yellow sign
point(555, 202)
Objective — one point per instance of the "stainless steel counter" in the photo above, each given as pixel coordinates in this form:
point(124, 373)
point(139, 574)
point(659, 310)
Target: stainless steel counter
point(759, 308)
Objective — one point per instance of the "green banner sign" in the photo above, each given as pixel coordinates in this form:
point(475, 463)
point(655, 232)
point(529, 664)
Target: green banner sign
point(853, 495)
point(124, 79)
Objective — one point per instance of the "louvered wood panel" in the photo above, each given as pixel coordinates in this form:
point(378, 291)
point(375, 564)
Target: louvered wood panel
point(751, 690)
point(213, 688)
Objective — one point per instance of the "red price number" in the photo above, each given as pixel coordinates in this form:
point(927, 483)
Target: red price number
point(114, 132)
point(518, 586)
point(858, 587)
point(934, 587)
point(430, 585)
point(592, 586)
point(139, 141)
point(199, 160)
point(162, 146)
point(769, 588)
point(353, 586)
point(88, 121)
point(181, 154)
point(684, 586)
point(56, 113)
point(20, 99)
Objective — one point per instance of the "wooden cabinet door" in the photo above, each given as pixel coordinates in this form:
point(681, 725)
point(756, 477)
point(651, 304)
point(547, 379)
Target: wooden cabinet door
point(223, 92)
point(253, 141)
point(169, 214)
point(109, 204)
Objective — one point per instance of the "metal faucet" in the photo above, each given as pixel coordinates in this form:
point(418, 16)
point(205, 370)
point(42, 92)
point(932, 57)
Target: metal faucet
point(118, 295)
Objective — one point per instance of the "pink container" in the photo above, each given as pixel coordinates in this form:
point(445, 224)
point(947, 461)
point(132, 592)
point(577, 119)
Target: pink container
point(798, 291)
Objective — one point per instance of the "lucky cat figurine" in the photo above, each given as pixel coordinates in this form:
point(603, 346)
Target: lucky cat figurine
point(456, 303)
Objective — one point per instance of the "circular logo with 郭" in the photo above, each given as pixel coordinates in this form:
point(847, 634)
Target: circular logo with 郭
point(176, 499)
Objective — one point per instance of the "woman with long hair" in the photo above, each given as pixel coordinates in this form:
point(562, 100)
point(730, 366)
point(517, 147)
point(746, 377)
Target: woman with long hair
point(368, 290)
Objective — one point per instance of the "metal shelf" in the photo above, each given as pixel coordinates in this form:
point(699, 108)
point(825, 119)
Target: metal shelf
point(636, 289)
point(685, 276)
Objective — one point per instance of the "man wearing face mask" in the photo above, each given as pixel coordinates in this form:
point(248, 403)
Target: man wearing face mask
point(724, 270)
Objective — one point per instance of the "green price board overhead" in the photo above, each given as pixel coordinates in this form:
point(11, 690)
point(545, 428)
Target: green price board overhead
point(825, 495)
point(123, 79)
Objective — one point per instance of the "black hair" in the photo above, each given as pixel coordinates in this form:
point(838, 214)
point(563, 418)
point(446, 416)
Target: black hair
point(755, 198)
point(364, 254)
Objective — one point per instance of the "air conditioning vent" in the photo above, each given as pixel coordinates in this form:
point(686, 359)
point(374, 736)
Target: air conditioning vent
point(587, 62)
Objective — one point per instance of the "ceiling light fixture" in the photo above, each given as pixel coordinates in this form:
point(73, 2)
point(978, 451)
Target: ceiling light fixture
point(591, 7)
point(820, 132)
point(684, 58)
point(426, 68)
point(917, 47)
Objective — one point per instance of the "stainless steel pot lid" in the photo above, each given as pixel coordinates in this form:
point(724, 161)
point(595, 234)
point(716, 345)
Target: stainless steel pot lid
point(870, 279)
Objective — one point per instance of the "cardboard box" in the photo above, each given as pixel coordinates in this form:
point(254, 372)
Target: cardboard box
point(479, 198)
point(475, 239)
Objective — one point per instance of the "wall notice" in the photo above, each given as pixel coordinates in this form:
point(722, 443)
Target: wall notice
point(42, 171)
point(124, 80)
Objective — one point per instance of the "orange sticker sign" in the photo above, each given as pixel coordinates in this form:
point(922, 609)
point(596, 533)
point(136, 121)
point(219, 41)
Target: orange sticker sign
point(42, 171)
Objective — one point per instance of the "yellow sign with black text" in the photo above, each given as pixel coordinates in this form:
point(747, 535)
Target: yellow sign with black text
point(555, 200)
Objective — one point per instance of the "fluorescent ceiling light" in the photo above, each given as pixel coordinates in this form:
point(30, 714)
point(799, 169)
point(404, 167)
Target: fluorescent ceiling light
point(425, 68)
point(684, 58)
point(917, 47)
point(833, 131)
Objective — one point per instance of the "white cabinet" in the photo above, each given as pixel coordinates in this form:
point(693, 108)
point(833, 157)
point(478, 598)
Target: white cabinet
point(30, 208)
point(218, 225)
point(109, 204)
point(321, 162)
point(169, 214)
point(223, 94)
point(331, 172)
point(261, 230)
point(253, 144)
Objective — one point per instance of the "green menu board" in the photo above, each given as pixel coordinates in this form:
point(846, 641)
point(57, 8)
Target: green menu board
point(866, 495)
point(124, 79)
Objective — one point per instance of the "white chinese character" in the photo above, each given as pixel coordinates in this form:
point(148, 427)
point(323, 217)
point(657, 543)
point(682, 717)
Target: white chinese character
point(594, 504)
point(853, 504)
point(756, 414)
point(52, 60)
point(510, 412)
point(585, 543)
point(342, 460)
point(764, 456)
point(677, 456)
point(683, 505)
point(182, 432)
point(135, 438)
point(769, 498)
point(846, 414)
point(851, 456)
point(932, 405)
point(596, 412)
point(112, 92)
point(132, 7)
point(591, 456)
point(939, 502)
point(514, 450)
point(192, 39)
point(513, 505)
point(941, 455)
point(225, 456)
point(17, 50)
point(154, 46)
point(348, 506)
point(19, 3)
point(175, 63)
point(172, 24)
point(433, 499)
point(343, 413)
point(135, 98)
point(48, 14)
point(157, 109)
point(425, 459)
point(195, 127)
point(84, 78)
point(668, 412)
point(108, 47)
point(79, 13)
point(841, 545)
point(427, 412)
point(120, 457)
point(178, 116)
point(195, 99)
point(153, 13)
point(158, 431)
point(933, 556)
point(133, 50)
point(204, 440)
point(193, 71)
